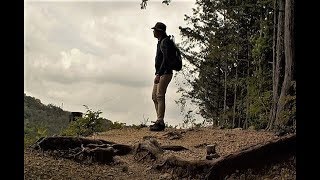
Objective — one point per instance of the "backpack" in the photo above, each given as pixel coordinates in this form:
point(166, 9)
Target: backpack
point(175, 60)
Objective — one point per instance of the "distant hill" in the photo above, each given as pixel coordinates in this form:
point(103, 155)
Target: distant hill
point(38, 115)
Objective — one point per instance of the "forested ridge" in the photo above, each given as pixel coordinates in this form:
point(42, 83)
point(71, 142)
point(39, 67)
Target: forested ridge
point(41, 119)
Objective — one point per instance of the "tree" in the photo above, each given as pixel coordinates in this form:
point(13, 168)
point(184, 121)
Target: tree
point(283, 107)
point(143, 3)
point(217, 29)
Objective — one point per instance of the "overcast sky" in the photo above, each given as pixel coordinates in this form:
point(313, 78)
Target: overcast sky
point(100, 54)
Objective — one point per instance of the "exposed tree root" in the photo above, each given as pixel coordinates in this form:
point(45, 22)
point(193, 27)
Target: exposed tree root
point(95, 150)
point(173, 148)
point(255, 157)
point(82, 149)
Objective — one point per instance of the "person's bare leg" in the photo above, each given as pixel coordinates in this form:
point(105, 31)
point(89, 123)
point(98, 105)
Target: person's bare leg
point(154, 97)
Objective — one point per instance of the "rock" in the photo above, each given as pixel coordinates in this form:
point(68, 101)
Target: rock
point(165, 176)
point(173, 135)
point(124, 169)
point(149, 137)
point(201, 145)
point(242, 177)
point(148, 169)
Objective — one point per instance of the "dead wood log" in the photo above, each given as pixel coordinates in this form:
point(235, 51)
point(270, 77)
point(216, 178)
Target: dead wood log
point(254, 157)
point(98, 145)
point(263, 154)
point(173, 148)
point(149, 148)
point(103, 155)
point(69, 142)
point(66, 142)
point(122, 149)
point(98, 154)
point(80, 149)
point(184, 169)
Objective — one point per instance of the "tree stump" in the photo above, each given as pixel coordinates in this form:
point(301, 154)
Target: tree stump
point(149, 149)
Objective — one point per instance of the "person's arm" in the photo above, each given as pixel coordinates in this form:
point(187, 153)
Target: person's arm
point(157, 79)
point(164, 46)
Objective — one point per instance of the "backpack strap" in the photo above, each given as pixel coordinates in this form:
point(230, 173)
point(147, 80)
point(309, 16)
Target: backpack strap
point(161, 43)
point(172, 38)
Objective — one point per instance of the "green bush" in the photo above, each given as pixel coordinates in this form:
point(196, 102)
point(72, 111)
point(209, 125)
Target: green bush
point(117, 125)
point(86, 125)
point(32, 134)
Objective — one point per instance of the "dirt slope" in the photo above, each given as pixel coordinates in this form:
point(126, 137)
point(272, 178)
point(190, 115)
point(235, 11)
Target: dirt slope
point(42, 166)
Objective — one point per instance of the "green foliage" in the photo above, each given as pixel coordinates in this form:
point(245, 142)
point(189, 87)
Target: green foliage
point(86, 125)
point(144, 122)
point(198, 125)
point(170, 126)
point(288, 115)
point(36, 114)
point(143, 4)
point(42, 120)
point(138, 126)
point(259, 102)
point(261, 45)
point(223, 36)
point(189, 120)
point(117, 125)
point(32, 134)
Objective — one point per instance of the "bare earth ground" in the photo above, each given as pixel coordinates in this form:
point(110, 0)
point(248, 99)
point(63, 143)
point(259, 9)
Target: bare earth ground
point(41, 166)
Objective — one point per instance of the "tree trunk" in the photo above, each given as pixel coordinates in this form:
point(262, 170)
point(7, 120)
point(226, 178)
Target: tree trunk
point(242, 109)
point(289, 59)
point(235, 99)
point(225, 96)
point(277, 68)
point(245, 126)
point(219, 96)
point(274, 43)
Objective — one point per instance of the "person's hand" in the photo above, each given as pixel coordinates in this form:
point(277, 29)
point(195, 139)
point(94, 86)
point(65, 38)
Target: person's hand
point(157, 79)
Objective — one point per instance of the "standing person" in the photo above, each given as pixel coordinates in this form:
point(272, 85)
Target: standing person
point(163, 75)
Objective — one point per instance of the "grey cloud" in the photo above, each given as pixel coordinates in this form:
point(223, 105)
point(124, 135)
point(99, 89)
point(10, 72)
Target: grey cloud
point(108, 64)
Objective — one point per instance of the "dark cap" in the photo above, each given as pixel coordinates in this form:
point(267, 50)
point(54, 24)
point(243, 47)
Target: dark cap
point(160, 26)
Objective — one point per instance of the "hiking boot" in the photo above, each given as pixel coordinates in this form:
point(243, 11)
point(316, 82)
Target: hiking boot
point(158, 126)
